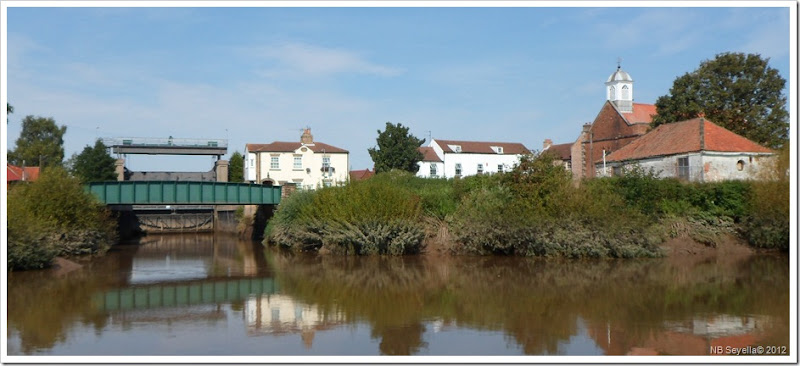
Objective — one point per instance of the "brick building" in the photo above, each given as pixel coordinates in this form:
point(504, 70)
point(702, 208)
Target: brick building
point(619, 122)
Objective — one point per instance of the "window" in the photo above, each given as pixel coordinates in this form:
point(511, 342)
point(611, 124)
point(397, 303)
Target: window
point(683, 168)
point(326, 183)
point(326, 162)
point(298, 162)
point(499, 168)
point(251, 162)
point(740, 165)
point(498, 149)
point(274, 162)
point(455, 148)
point(611, 93)
point(480, 168)
point(625, 92)
point(458, 169)
point(433, 170)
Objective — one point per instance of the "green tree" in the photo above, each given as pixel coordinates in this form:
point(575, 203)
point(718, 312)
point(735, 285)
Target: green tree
point(236, 168)
point(397, 149)
point(41, 143)
point(735, 90)
point(94, 164)
point(9, 110)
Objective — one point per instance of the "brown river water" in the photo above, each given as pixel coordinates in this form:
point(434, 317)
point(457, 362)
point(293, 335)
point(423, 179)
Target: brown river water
point(213, 294)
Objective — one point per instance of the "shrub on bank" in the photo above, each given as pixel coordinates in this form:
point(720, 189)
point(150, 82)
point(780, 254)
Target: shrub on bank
point(370, 217)
point(54, 216)
point(768, 223)
point(538, 212)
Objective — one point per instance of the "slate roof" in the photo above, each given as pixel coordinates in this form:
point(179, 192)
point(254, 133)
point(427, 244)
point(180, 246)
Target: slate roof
point(685, 137)
point(481, 147)
point(429, 154)
point(281, 146)
point(563, 151)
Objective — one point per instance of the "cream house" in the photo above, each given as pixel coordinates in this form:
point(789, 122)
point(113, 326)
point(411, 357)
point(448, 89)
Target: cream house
point(307, 164)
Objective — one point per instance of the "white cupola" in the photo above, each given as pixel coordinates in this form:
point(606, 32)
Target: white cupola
point(619, 90)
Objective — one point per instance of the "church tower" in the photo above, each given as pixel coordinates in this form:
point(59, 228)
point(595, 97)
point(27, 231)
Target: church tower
point(619, 90)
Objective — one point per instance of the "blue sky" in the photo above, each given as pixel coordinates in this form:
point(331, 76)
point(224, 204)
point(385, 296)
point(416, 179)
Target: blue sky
point(257, 75)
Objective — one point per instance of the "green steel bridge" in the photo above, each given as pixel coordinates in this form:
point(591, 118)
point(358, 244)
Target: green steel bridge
point(183, 193)
point(183, 294)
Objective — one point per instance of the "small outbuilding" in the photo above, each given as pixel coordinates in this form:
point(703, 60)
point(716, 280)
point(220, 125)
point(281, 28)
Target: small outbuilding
point(694, 150)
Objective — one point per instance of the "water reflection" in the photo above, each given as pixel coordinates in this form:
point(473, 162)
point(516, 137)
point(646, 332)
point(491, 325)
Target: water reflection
point(198, 287)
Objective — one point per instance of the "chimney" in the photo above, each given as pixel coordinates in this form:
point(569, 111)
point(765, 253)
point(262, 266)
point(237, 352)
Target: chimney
point(587, 127)
point(307, 138)
point(547, 143)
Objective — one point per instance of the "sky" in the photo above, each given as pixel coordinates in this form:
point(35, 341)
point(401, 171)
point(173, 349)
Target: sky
point(261, 74)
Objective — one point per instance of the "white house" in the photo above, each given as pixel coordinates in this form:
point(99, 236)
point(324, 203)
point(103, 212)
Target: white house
point(450, 158)
point(307, 164)
point(431, 165)
point(692, 150)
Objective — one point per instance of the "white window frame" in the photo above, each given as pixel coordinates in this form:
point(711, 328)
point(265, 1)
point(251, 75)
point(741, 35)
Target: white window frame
point(274, 162)
point(433, 170)
point(480, 168)
point(499, 168)
point(298, 159)
point(458, 169)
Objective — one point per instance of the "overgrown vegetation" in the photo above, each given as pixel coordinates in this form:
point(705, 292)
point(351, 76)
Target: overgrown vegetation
point(533, 210)
point(53, 216)
point(767, 224)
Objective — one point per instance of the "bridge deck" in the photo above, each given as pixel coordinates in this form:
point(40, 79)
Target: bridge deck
point(183, 193)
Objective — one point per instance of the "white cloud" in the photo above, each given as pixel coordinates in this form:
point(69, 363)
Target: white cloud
point(298, 59)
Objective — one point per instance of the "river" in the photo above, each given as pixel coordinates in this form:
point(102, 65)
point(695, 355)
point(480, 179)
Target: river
point(213, 294)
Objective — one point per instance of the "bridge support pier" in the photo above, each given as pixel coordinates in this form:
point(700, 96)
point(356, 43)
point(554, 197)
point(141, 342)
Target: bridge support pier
point(119, 168)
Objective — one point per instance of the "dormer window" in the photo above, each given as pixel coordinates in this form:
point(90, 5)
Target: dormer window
point(455, 148)
point(497, 149)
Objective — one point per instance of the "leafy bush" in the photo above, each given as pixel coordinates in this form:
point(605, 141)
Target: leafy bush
point(768, 222)
point(362, 218)
point(55, 216)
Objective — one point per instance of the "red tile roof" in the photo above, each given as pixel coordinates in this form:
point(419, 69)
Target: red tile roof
point(15, 173)
point(684, 137)
point(563, 151)
point(480, 147)
point(280, 146)
point(429, 154)
point(642, 113)
point(361, 174)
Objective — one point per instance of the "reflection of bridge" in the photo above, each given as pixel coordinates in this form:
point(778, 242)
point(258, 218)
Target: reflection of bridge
point(183, 193)
point(183, 294)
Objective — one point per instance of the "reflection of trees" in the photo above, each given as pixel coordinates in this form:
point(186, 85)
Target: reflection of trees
point(43, 306)
point(535, 302)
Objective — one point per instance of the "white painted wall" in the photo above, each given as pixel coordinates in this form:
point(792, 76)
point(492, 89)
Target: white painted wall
point(309, 176)
point(469, 163)
point(703, 167)
point(425, 169)
point(249, 166)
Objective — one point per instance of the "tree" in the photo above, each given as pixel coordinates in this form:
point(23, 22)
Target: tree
point(236, 168)
point(397, 149)
point(9, 110)
point(734, 90)
point(41, 143)
point(94, 164)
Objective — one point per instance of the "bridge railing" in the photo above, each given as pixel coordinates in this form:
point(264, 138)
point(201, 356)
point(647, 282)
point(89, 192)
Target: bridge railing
point(183, 193)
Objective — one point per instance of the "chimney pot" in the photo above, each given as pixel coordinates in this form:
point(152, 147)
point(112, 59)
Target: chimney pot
point(547, 143)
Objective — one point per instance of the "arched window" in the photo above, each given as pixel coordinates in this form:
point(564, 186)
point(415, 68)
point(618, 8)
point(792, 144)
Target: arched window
point(625, 92)
point(611, 93)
